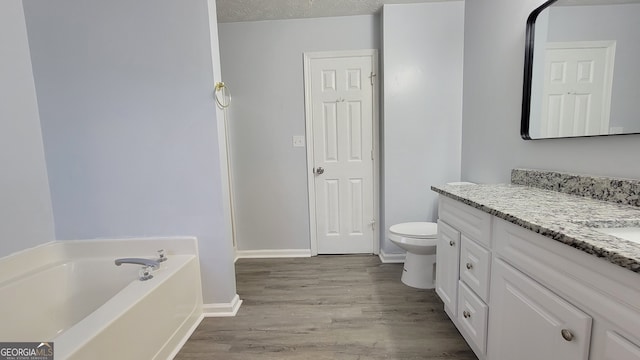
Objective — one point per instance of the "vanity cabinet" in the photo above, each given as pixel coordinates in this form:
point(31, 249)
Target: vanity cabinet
point(608, 294)
point(515, 294)
point(462, 269)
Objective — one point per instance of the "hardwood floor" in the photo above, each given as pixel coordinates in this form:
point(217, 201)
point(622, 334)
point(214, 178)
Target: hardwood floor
point(328, 307)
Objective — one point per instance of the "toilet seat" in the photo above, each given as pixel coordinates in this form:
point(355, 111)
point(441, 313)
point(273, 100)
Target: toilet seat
point(415, 237)
point(415, 230)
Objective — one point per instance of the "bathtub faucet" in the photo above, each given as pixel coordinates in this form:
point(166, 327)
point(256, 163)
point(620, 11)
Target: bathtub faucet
point(147, 266)
point(139, 261)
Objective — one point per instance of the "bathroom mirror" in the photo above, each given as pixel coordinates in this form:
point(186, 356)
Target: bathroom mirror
point(582, 73)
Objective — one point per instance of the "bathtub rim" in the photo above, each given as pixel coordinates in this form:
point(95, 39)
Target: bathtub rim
point(28, 261)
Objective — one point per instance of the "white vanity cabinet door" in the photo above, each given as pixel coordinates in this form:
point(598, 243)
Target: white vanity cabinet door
point(618, 348)
point(447, 260)
point(529, 322)
point(475, 267)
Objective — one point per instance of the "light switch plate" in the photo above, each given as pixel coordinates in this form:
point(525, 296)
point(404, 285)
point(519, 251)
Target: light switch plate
point(298, 141)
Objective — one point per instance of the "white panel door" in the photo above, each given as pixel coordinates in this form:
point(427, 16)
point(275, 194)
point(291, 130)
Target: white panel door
point(341, 99)
point(577, 89)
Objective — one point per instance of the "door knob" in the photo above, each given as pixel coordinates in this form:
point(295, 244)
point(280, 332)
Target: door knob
point(319, 171)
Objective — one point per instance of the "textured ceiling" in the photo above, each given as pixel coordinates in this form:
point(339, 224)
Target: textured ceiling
point(255, 10)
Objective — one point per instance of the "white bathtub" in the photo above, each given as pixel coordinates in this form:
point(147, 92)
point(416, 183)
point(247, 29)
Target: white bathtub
point(71, 293)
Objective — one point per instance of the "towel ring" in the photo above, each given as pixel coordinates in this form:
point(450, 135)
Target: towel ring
point(224, 91)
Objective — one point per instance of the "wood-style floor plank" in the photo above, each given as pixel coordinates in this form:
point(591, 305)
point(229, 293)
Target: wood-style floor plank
point(328, 307)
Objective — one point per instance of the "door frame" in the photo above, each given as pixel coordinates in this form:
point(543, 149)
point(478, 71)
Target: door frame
point(308, 57)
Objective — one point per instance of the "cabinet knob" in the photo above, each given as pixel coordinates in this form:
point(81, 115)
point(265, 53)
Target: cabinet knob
point(469, 266)
point(466, 314)
point(451, 243)
point(567, 334)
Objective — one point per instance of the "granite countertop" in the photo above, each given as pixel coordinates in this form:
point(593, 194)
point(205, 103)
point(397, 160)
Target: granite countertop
point(556, 215)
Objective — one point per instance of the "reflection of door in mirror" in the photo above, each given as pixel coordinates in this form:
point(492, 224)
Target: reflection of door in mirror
point(583, 96)
point(576, 94)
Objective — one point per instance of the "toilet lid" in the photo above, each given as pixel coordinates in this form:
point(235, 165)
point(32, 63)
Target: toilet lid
point(421, 230)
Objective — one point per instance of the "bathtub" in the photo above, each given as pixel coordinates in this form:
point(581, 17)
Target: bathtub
point(72, 294)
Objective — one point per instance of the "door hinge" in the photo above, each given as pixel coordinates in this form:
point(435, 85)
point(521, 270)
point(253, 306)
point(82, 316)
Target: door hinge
point(371, 154)
point(371, 76)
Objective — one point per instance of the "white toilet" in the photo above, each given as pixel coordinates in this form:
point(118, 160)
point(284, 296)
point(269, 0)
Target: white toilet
point(419, 240)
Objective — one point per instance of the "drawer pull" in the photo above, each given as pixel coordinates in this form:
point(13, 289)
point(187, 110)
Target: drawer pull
point(469, 266)
point(467, 315)
point(451, 243)
point(566, 334)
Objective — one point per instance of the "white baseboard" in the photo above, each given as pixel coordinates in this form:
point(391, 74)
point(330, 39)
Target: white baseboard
point(284, 253)
point(222, 309)
point(391, 258)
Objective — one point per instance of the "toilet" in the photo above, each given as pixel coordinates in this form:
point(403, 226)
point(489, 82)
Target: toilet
point(419, 240)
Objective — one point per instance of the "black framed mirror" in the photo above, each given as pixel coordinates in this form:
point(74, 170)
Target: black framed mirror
point(581, 69)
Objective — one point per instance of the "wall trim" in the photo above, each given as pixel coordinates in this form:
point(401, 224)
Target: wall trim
point(282, 253)
point(391, 258)
point(222, 309)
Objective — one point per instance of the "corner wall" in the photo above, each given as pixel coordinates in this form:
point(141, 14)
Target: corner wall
point(422, 107)
point(493, 72)
point(26, 215)
point(129, 124)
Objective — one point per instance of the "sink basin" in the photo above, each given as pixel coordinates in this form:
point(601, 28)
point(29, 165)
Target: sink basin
point(627, 233)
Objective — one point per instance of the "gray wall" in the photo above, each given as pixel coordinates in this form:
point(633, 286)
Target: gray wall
point(422, 56)
point(493, 70)
point(26, 216)
point(613, 22)
point(129, 125)
point(262, 63)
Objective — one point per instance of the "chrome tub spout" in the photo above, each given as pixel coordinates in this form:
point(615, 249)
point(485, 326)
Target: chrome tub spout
point(139, 261)
point(148, 266)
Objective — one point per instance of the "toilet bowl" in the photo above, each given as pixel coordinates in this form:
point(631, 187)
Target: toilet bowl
point(419, 240)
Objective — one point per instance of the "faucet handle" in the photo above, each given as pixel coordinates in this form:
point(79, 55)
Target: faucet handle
point(162, 256)
point(145, 273)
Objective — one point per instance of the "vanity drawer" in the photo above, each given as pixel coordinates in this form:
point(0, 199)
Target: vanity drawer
point(472, 222)
point(475, 267)
point(472, 317)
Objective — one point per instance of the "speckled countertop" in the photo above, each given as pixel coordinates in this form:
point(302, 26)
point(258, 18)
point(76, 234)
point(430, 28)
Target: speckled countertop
point(556, 215)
